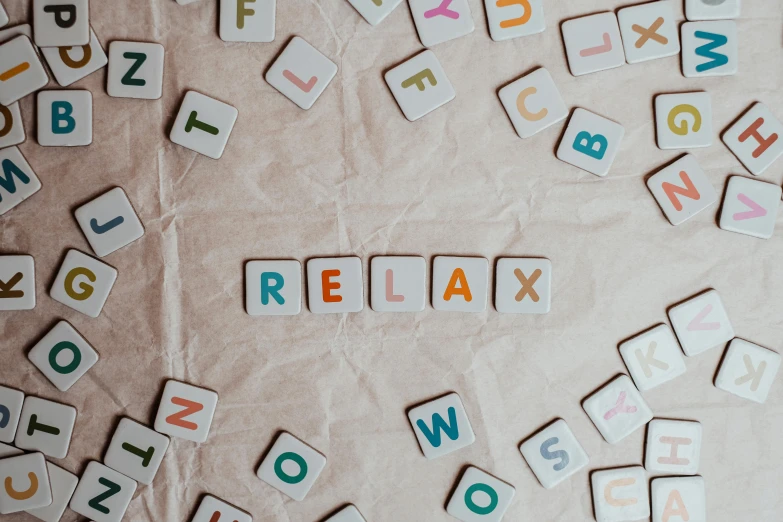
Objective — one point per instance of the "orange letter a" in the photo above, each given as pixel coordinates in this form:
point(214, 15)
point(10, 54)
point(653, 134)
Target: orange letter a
point(458, 277)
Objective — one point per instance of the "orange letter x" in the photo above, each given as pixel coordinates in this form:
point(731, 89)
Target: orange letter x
point(527, 285)
point(651, 33)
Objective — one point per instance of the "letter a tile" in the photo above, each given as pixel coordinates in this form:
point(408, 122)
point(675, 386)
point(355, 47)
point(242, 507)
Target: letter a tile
point(460, 284)
point(653, 357)
point(420, 85)
point(441, 426)
point(678, 499)
point(213, 509)
point(480, 497)
point(617, 409)
point(756, 139)
point(17, 283)
point(186, 411)
point(590, 142)
point(204, 124)
point(682, 190)
point(291, 466)
point(748, 371)
point(103, 495)
point(750, 207)
point(301, 73)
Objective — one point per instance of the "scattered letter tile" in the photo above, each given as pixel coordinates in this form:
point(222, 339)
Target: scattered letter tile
point(748, 371)
point(301, 73)
point(673, 447)
point(375, 11)
point(533, 102)
point(335, 285)
point(186, 411)
point(12, 130)
point(109, 222)
point(21, 70)
point(701, 323)
point(64, 118)
point(683, 121)
point(103, 494)
point(7, 450)
point(19, 182)
point(398, 283)
point(71, 64)
point(63, 485)
point(460, 284)
point(649, 31)
point(17, 283)
point(709, 49)
point(25, 483)
point(136, 451)
point(439, 21)
point(291, 466)
point(617, 409)
point(45, 426)
point(620, 495)
point(247, 20)
point(204, 124)
point(653, 357)
point(712, 9)
point(512, 19)
point(135, 70)
point(420, 85)
point(480, 497)
point(212, 509)
point(593, 43)
point(273, 287)
point(11, 401)
point(554, 454)
point(83, 283)
point(347, 514)
point(58, 23)
point(590, 142)
point(523, 285)
point(441, 426)
point(756, 139)
point(63, 356)
point(678, 498)
point(750, 207)
point(682, 190)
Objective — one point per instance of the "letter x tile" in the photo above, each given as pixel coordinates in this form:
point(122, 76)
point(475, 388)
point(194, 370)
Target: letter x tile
point(523, 285)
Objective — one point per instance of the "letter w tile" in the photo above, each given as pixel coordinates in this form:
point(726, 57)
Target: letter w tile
point(438, 424)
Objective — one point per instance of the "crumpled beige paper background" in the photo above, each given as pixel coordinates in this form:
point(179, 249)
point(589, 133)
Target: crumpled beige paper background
point(353, 177)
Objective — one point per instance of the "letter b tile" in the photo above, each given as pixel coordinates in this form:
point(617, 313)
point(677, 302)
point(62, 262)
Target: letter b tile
point(60, 23)
point(480, 497)
point(441, 426)
point(677, 499)
point(63, 356)
point(748, 371)
point(291, 466)
point(419, 85)
point(590, 142)
point(204, 124)
point(83, 283)
point(64, 118)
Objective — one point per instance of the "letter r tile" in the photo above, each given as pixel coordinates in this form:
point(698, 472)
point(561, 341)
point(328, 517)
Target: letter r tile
point(273, 287)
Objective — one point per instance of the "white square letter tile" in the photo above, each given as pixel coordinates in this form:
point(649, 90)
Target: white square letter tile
point(712, 9)
point(291, 466)
point(136, 451)
point(186, 411)
point(70, 65)
point(204, 124)
point(9, 451)
point(617, 409)
point(673, 447)
point(103, 494)
point(83, 283)
point(533, 102)
point(480, 497)
point(375, 11)
point(57, 23)
point(439, 21)
point(593, 43)
point(682, 190)
point(653, 357)
point(748, 371)
point(63, 356)
point(701, 323)
point(683, 121)
point(554, 454)
point(12, 131)
point(135, 70)
point(347, 514)
point(335, 285)
point(419, 85)
point(441, 426)
point(63, 485)
point(678, 498)
point(398, 283)
point(709, 49)
point(620, 495)
point(21, 70)
point(649, 31)
point(109, 222)
point(750, 207)
point(301, 73)
point(213, 509)
point(247, 20)
point(523, 285)
point(460, 284)
point(590, 142)
point(45, 426)
point(17, 283)
point(11, 401)
point(512, 19)
point(17, 179)
point(25, 481)
point(64, 118)
point(756, 139)
point(273, 287)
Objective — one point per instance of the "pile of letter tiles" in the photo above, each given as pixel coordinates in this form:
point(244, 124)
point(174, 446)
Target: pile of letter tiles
point(62, 42)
